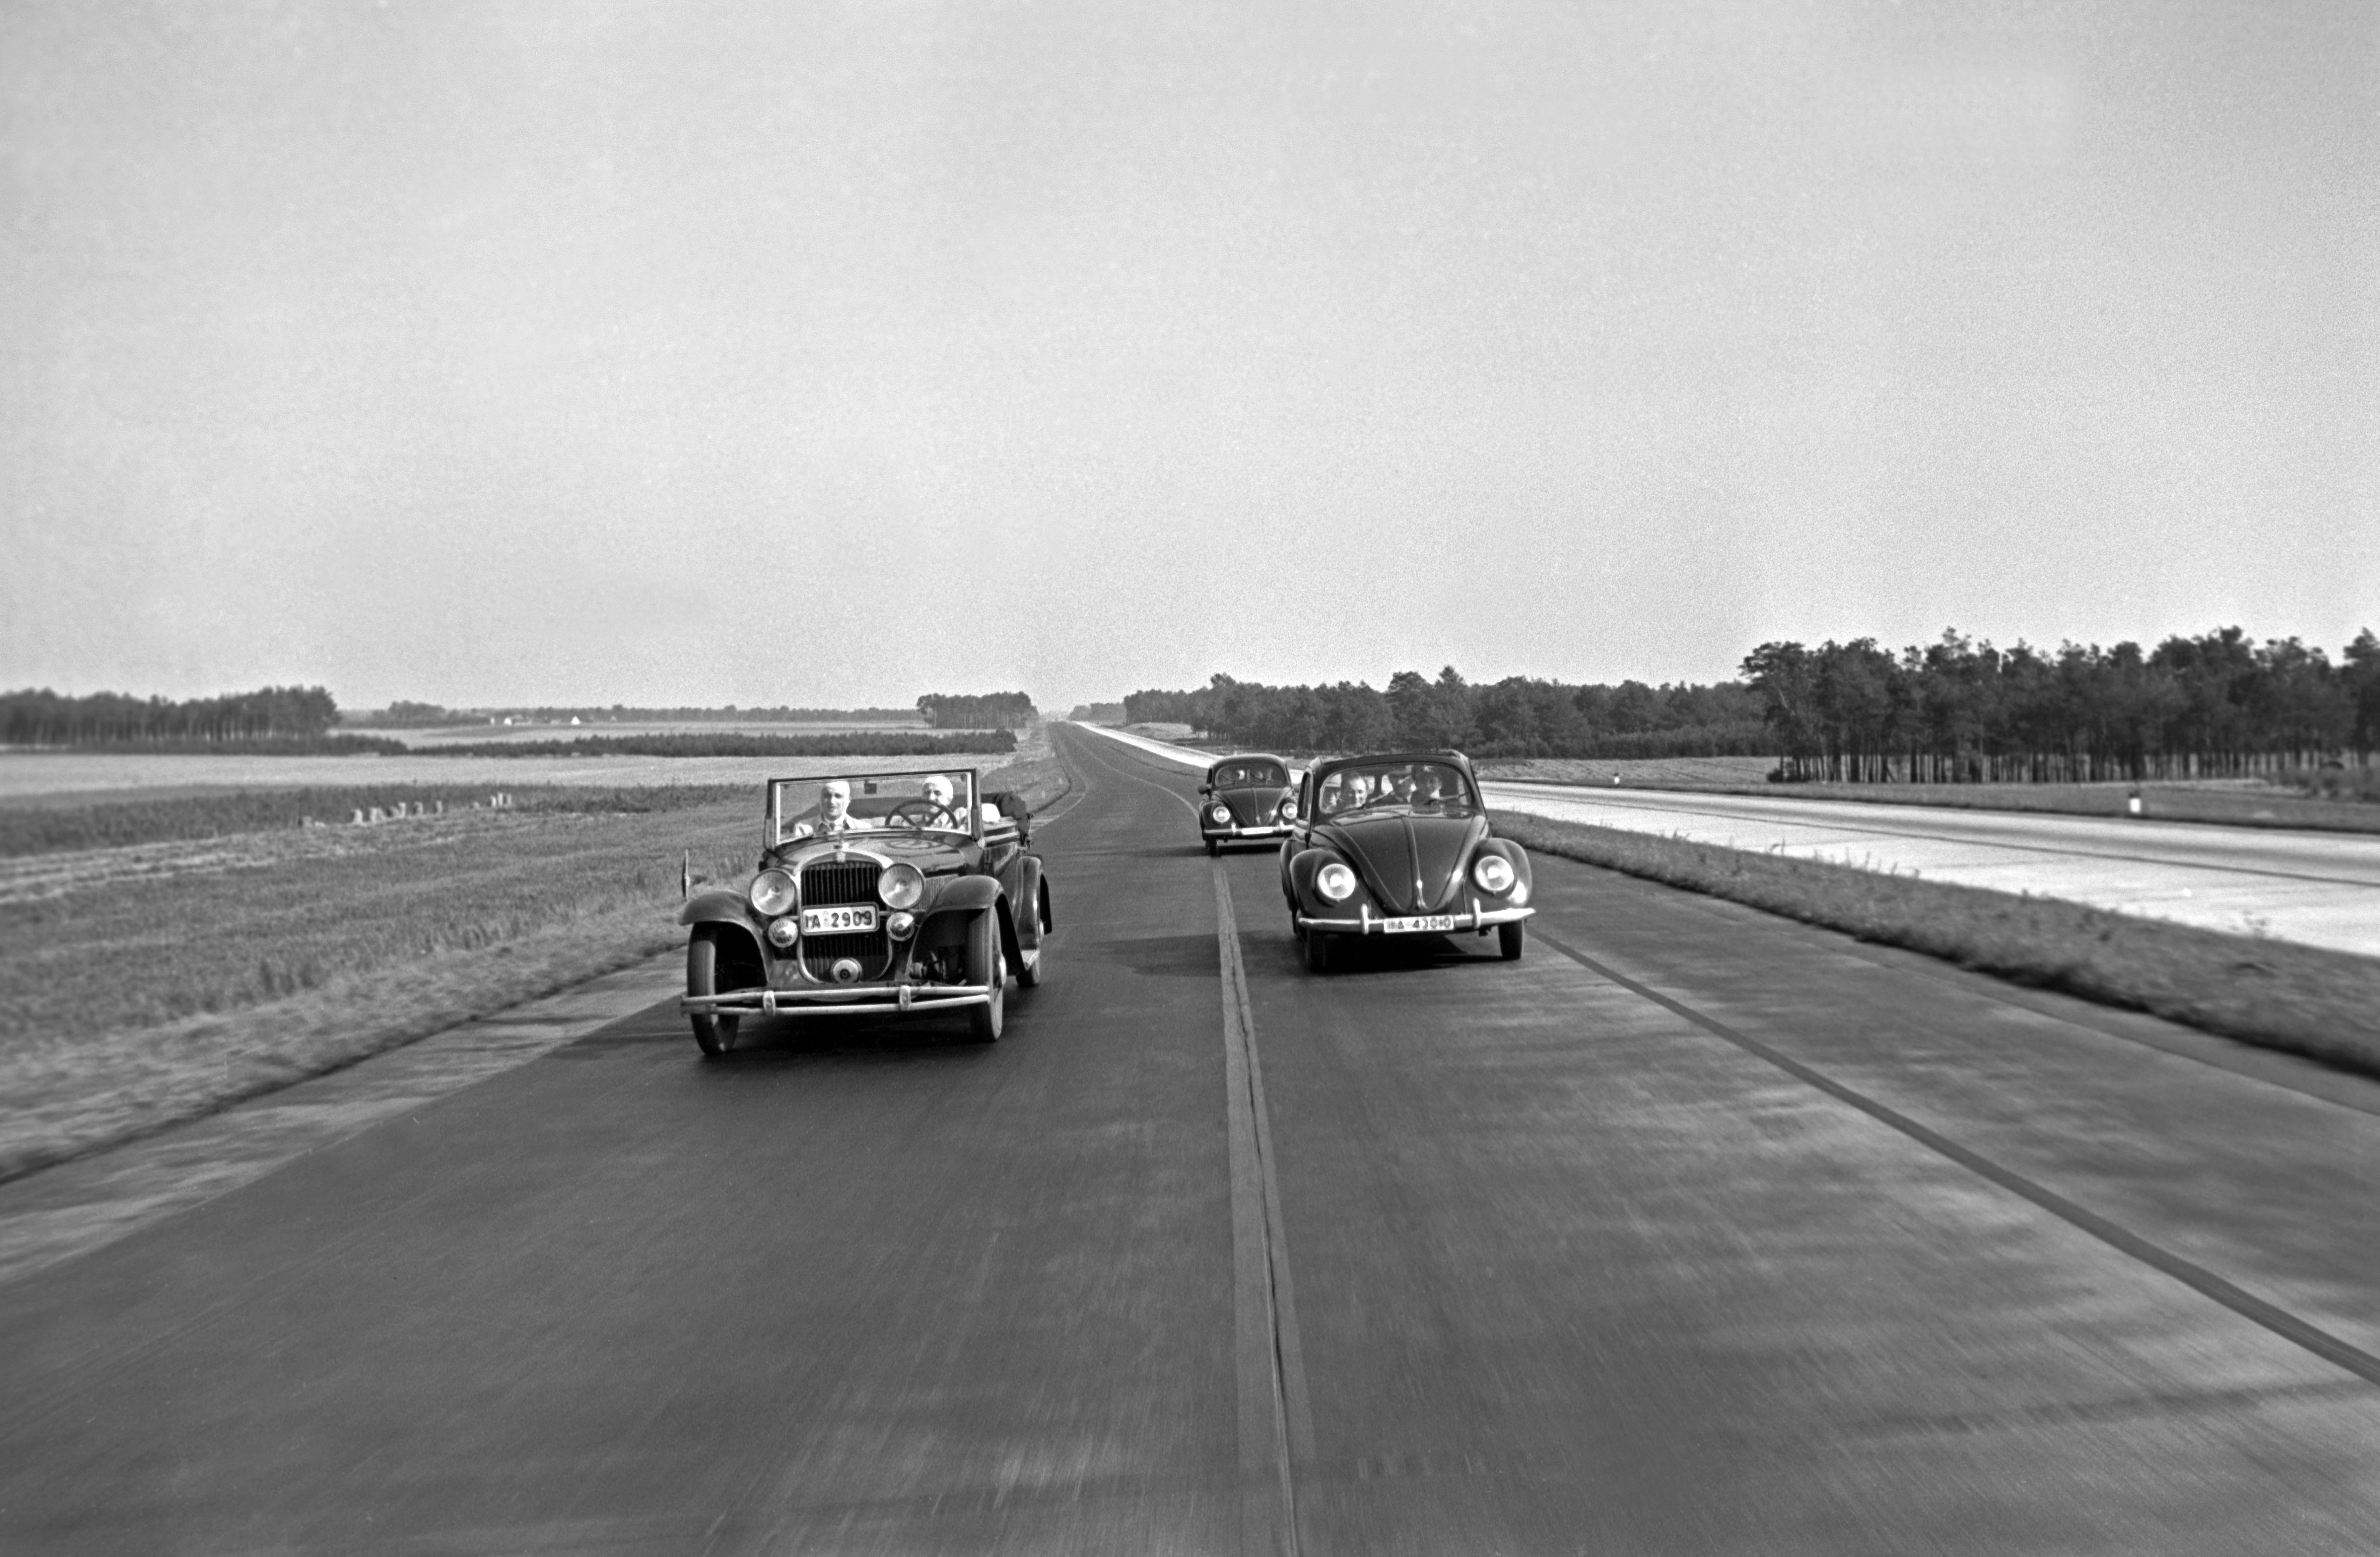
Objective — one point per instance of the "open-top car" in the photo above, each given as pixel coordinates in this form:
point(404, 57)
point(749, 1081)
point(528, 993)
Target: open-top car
point(1398, 844)
point(1247, 798)
point(875, 892)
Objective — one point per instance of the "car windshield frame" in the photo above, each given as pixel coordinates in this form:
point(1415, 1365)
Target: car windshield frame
point(1466, 802)
point(869, 803)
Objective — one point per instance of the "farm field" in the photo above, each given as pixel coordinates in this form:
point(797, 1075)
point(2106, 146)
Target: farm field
point(152, 981)
point(479, 735)
point(47, 777)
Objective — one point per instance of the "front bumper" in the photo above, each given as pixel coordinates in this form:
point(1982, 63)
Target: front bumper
point(838, 999)
point(1366, 922)
point(1236, 833)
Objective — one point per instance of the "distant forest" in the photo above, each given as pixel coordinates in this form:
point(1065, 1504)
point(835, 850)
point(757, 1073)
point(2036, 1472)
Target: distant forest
point(274, 714)
point(1516, 716)
point(1005, 711)
point(1955, 711)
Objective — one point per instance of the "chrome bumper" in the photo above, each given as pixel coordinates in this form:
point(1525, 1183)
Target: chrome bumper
point(842, 1000)
point(1234, 832)
point(1368, 923)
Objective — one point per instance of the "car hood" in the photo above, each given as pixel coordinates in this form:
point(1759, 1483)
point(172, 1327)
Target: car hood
point(1409, 863)
point(1255, 805)
point(929, 852)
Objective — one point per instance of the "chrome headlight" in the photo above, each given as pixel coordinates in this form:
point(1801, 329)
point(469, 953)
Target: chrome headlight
point(1288, 807)
point(900, 926)
point(900, 886)
point(774, 893)
point(1493, 873)
point(1335, 882)
point(1221, 814)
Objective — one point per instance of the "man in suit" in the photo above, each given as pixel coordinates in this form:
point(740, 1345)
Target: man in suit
point(834, 812)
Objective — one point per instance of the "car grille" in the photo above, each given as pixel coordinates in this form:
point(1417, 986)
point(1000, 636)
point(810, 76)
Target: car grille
point(872, 952)
point(826, 884)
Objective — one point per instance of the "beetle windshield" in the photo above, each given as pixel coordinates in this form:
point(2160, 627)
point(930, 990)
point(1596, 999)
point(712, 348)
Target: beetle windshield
point(1433, 789)
point(859, 803)
point(1247, 775)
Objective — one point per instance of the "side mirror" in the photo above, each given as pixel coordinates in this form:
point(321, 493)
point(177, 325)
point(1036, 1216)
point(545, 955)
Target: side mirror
point(1206, 789)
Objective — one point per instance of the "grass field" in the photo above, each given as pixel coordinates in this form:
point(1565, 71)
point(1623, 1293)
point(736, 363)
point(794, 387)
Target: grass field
point(152, 981)
point(2231, 802)
point(2304, 1000)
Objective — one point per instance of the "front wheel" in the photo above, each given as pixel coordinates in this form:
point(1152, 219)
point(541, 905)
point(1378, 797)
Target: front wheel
point(985, 966)
point(713, 1031)
point(1318, 952)
point(1510, 938)
point(1213, 848)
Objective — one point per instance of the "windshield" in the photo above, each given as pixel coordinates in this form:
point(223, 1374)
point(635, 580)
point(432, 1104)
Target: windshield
point(1247, 775)
point(865, 803)
point(1431, 788)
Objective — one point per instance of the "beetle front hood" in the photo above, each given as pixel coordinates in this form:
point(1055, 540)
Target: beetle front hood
point(1409, 863)
point(1254, 806)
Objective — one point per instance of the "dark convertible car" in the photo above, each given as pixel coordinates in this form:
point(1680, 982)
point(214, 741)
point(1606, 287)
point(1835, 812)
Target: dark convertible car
point(876, 892)
point(1247, 798)
point(1398, 844)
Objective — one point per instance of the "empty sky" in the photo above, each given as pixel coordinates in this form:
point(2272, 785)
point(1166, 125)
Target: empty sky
point(822, 354)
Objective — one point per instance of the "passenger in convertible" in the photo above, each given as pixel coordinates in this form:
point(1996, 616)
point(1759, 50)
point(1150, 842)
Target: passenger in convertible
point(941, 795)
point(834, 812)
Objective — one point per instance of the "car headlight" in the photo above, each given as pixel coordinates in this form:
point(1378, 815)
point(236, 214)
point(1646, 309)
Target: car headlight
point(774, 893)
point(901, 887)
point(1220, 814)
point(1288, 807)
point(1493, 873)
point(1335, 882)
point(782, 933)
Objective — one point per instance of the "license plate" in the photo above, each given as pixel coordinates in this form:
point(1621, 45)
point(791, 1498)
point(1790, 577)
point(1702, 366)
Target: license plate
point(1417, 924)
point(854, 920)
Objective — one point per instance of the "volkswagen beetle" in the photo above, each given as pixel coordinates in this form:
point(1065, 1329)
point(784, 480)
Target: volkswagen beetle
point(1398, 844)
point(876, 892)
point(1245, 798)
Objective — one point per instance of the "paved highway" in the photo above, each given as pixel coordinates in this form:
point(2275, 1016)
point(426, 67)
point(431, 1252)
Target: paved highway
point(2319, 888)
point(1693, 1231)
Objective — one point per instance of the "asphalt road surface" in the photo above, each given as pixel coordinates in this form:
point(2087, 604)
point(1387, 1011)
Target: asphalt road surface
point(2322, 889)
point(1693, 1231)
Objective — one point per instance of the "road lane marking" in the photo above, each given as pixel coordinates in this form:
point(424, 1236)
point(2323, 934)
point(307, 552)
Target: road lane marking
point(1276, 1422)
point(2198, 1278)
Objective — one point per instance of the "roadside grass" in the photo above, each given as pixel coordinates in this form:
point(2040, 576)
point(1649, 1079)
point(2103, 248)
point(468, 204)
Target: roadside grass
point(2302, 1000)
point(2227, 801)
point(141, 992)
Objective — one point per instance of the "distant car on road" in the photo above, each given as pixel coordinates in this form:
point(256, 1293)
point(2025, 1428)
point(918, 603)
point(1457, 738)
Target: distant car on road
point(1398, 844)
point(876, 892)
point(1247, 798)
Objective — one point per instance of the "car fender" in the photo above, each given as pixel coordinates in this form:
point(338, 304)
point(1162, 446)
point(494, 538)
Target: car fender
point(1302, 869)
point(1010, 947)
point(1032, 888)
point(727, 909)
point(964, 894)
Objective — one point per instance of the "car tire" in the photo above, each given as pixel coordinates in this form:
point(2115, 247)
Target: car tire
point(1318, 952)
point(715, 1035)
point(1028, 973)
point(984, 966)
point(1213, 849)
point(1510, 938)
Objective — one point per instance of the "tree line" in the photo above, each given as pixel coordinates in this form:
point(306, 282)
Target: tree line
point(42, 717)
point(992, 711)
point(1958, 711)
point(1517, 716)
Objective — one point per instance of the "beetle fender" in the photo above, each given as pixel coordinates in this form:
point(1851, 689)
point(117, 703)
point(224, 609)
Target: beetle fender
point(1302, 871)
point(1511, 851)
